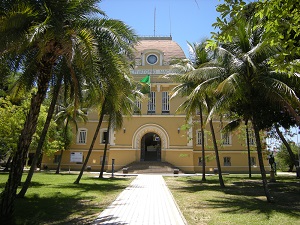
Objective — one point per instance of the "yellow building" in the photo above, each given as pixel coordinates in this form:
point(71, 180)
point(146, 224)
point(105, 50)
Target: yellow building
point(157, 133)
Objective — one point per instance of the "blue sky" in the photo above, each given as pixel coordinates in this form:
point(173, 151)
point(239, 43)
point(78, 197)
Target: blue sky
point(186, 20)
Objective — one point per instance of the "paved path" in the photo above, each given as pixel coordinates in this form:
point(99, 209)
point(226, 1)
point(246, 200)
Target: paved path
point(146, 201)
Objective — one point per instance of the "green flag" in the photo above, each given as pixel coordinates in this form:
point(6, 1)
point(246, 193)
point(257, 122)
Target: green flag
point(146, 84)
point(146, 80)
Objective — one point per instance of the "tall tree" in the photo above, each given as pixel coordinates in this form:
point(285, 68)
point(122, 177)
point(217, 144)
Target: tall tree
point(34, 37)
point(251, 84)
point(111, 80)
point(288, 148)
point(194, 75)
point(38, 151)
point(280, 20)
point(68, 115)
point(117, 105)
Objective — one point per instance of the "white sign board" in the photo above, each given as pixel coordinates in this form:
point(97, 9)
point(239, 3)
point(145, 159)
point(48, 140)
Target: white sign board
point(141, 71)
point(76, 157)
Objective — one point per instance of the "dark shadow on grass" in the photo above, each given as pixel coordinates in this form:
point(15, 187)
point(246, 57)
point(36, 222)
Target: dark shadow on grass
point(238, 205)
point(55, 210)
point(247, 195)
point(109, 184)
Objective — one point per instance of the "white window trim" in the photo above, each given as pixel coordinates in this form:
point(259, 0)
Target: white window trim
point(102, 134)
point(165, 102)
point(152, 103)
point(251, 138)
point(197, 137)
point(227, 135)
point(138, 105)
point(78, 136)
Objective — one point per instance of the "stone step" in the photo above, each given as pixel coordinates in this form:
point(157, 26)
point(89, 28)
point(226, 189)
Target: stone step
point(150, 167)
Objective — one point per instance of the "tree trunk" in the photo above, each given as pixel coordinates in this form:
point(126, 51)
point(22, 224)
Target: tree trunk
point(8, 163)
point(105, 150)
point(62, 151)
point(38, 152)
point(92, 144)
point(59, 162)
point(288, 147)
point(217, 153)
point(248, 149)
point(261, 162)
point(8, 196)
point(202, 144)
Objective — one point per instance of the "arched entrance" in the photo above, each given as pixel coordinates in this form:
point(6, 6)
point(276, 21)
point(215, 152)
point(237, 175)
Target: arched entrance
point(151, 147)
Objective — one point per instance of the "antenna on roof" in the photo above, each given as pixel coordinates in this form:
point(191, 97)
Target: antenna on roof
point(170, 21)
point(154, 19)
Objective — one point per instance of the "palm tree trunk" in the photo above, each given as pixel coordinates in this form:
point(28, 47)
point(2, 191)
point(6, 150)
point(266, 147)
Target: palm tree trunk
point(217, 153)
point(288, 147)
point(202, 143)
point(261, 162)
point(248, 149)
point(38, 152)
point(92, 144)
point(8, 163)
point(105, 150)
point(8, 196)
point(59, 162)
point(62, 151)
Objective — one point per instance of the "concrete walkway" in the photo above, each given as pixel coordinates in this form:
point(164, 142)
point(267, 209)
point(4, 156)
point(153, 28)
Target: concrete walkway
point(146, 201)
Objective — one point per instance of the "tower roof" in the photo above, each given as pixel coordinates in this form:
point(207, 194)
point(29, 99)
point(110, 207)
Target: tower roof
point(164, 44)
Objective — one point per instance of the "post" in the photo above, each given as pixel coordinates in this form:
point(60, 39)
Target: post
point(112, 167)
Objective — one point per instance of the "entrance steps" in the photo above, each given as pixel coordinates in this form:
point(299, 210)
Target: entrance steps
point(150, 167)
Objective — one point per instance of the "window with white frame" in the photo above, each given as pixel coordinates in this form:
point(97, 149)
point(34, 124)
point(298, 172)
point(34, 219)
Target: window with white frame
point(151, 103)
point(199, 137)
point(227, 161)
point(251, 138)
point(165, 102)
point(226, 138)
point(81, 136)
point(103, 136)
point(252, 161)
point(138, 106)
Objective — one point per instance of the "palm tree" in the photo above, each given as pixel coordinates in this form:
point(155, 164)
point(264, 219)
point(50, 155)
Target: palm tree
point(117, 105)
point(234, 124)
point(251, 85)
point(111, 80)
point(67, 113)
point(34, 37)
point(194, 75)
point(38, 151)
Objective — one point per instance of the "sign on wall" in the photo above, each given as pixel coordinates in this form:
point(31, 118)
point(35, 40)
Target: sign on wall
point(76, 157)
point(155, 71)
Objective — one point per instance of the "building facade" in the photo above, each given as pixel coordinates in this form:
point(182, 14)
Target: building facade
point(158, 133)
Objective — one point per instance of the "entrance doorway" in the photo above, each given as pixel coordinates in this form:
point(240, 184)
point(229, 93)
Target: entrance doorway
point(151, 147)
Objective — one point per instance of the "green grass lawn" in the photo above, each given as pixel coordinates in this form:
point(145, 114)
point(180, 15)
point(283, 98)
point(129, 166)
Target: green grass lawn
point(242, 202)
point(54, 199)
